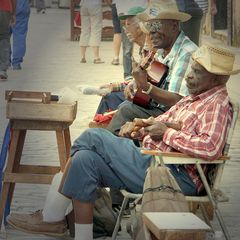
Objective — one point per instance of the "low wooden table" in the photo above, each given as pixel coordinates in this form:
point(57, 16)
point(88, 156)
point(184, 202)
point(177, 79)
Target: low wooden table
point(175, 225)
point(34, 111)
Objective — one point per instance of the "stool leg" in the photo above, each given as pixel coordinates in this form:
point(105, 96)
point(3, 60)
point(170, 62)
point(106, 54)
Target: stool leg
point(67, 139)
point(17, 160)
point(64, 144)
point(15, 152)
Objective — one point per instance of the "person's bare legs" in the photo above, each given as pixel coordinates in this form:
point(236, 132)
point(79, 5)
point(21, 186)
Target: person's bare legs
point(95, 52)
point(96, 56)
point(117, 41)
point(83, 220)
point(83, 53)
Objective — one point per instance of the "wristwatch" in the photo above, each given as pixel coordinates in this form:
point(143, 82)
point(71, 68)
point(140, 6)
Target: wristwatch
point(149, 89)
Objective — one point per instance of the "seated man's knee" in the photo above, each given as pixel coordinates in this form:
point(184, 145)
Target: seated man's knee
point(88, 133)
point(84, 139)
point(80, 160)
point(125, 109)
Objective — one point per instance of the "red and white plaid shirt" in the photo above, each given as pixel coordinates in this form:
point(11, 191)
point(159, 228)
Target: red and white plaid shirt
point(206, 120)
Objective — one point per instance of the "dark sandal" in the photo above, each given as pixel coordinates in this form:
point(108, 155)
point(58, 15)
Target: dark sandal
point(83, 60)
point(97, 61)
point(115, 61)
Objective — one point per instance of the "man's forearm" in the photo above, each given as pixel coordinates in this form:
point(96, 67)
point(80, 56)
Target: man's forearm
point(164, 97)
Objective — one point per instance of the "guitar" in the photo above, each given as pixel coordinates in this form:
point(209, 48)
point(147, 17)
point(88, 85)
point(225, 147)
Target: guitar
point(157, 72)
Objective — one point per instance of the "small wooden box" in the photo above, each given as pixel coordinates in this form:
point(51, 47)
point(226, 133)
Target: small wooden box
point(32, 106)
point(175, 226)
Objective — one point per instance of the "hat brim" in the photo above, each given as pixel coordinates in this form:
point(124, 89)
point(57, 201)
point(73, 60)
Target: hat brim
point(124, 17)
point(216, 70)
point(179, 16)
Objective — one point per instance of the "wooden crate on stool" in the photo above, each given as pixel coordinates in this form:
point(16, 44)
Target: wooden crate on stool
point(34, 111)
point(175, 226)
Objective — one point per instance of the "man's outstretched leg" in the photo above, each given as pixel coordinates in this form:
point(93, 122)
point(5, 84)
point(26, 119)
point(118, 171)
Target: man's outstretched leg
point(98, 160)
point(83, 220)
point(50, 220)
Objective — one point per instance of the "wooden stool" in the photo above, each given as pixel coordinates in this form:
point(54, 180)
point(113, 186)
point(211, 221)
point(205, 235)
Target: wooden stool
point(29, 115)
point(175, 225)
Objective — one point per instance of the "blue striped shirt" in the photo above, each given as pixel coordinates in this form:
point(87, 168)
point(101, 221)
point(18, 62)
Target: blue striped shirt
point(179, 62)
point(203, 4)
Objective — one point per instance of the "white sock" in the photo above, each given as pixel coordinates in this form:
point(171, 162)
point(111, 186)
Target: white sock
point(83, 231)
point(56, 204)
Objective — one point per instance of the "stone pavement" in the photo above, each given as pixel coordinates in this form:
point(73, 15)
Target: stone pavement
point(51, 63)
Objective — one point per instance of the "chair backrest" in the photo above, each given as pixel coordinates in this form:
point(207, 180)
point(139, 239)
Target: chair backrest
point(235, 107)
point(215, 179)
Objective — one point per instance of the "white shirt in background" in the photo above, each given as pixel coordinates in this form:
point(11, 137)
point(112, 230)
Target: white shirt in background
point(90, 2)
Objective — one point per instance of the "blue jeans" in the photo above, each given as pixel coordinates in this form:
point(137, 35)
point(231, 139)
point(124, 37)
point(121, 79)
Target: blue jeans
point(110, 102)
point(4, 41)
point(100, 159)
point(127, 47)
point(127, 111)
point(19, 32)
point(116, 21)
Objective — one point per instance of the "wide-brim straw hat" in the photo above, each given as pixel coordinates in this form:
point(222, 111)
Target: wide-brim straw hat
point(163, 9)
point(216, 60)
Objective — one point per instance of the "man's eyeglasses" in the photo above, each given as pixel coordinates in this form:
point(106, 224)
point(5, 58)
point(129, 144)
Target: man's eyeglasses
point(155, 26)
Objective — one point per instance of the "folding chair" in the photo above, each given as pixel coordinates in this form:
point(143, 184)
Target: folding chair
point(212, 188)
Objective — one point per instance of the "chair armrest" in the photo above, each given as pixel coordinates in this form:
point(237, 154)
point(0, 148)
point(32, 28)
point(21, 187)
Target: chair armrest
point(180, 158)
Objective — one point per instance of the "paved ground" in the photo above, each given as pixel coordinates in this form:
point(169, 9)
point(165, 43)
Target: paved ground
point(51, 63)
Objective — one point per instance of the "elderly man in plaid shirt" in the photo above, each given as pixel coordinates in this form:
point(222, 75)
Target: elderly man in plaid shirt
point(197, 125)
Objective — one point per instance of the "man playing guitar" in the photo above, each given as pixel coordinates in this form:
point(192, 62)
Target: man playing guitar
point(174, 50)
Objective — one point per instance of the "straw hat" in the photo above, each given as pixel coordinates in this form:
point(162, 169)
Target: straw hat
point(216, 60)
point(143, 28)
point(163, 9)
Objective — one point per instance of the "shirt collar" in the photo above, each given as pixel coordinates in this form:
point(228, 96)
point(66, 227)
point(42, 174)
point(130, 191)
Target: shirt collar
point(204, 97)
point(176, 46)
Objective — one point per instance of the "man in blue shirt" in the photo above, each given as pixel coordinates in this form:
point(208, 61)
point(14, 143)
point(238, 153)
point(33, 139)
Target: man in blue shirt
point(19, 33)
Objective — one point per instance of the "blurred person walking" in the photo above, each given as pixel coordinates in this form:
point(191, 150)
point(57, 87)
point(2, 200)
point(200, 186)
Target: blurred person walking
point(117, 36)
point(7, 18)
point(40, 6)
point(91, 28)
point(207, 6)
point(198, 10)
point(19, 33)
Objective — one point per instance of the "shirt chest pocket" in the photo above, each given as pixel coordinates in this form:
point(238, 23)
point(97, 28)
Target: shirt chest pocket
point(190, 122)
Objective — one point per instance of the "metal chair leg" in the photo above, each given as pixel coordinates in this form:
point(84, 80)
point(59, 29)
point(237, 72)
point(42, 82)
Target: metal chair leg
point(213, 202)
point(119, 218)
